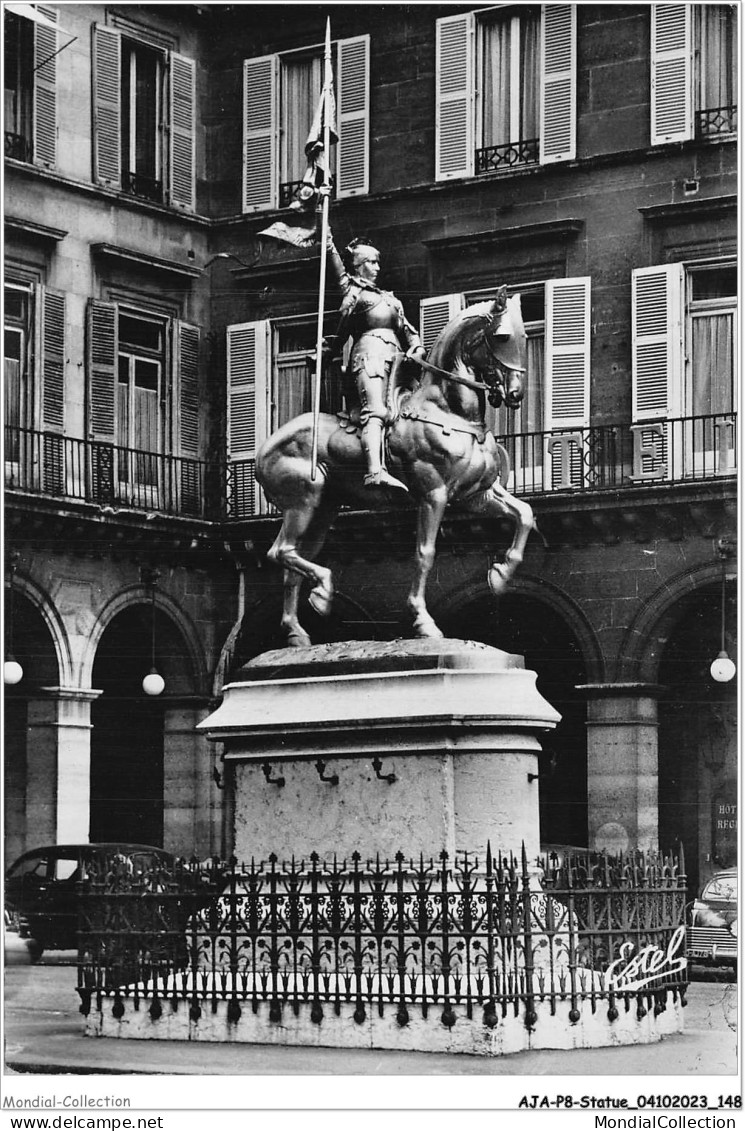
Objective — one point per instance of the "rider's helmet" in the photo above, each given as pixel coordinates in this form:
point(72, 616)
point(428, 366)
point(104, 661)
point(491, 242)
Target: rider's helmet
point(360, 249)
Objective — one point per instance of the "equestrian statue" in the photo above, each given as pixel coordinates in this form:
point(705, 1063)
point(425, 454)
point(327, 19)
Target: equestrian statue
point(413, 431)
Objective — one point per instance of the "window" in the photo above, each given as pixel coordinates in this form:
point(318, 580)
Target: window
point(142, 409)
point(144, 119)
point(269, 383)
point(280, 96)
point(694, 71)
point(547, 436)
point(15, 370)
point(684, 370)
point(30, 98)
point(509, 81)
point(139, 427)
point(505, 89)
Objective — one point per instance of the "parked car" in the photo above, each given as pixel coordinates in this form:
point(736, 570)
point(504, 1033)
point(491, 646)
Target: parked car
point(41, 886)
point(712, 926)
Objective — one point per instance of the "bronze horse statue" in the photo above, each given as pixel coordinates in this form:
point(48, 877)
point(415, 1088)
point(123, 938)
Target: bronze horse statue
point(437, 445)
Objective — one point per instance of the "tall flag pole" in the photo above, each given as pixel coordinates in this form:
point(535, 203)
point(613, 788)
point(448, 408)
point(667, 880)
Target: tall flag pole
point(327, 104)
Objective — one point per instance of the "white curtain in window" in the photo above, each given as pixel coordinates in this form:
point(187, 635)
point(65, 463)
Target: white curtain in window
point(293, 392)
point(496, 83)
point(301, 88)
point(716, 57)
point(530, 32)
point(711, 381)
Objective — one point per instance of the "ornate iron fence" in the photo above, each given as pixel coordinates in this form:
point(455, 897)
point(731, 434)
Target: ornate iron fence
point(491, 935)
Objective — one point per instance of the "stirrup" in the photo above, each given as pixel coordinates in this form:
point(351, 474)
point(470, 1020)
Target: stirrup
point(383, 479)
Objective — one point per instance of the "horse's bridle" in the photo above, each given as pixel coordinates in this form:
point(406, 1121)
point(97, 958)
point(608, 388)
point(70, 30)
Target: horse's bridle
point(496, 391)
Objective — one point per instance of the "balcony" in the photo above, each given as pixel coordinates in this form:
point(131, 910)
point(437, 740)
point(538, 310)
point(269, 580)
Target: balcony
point(497, 158)
point(562, 462)
point(17, 147)
point(44, 463)
point(719, 122)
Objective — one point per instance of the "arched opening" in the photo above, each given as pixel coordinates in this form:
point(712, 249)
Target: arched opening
point(128, 736)
point(698, 737)
point(29, 709)
point(519, 624)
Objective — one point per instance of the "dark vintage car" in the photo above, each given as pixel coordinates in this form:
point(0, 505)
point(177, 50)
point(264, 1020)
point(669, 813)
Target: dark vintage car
point(41, 886)
point(712, 926)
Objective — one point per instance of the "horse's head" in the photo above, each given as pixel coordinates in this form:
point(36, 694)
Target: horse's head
point(498, 348)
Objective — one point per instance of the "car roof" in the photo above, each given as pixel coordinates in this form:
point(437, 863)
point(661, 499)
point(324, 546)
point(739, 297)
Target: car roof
point(96, 846)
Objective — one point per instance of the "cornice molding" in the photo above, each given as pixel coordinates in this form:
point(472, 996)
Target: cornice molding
point(41, 232)
point(556, 230)
point(693, 209)
point(141, 259)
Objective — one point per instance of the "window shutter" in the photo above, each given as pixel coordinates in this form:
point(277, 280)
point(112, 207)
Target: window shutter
point(103, 347)
point(434, 315)
point(51, 385)
point(186, 389)
point(558, 83)
point(352, 162)
point(45, 91)
point(51, 354)
point(107, 66)
point(567, 378)
point(260, 141)
point(656, 363)
point(248, 382)
point(454, 93)
point(182, 133)
point(672, 86)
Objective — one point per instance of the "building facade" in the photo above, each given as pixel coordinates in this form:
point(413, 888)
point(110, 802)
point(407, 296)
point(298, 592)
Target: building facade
point(585, 156)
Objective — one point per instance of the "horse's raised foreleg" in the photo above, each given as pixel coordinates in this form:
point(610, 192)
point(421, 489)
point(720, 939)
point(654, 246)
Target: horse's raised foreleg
point(429, 518)
point(302, 530)
point(497, 502)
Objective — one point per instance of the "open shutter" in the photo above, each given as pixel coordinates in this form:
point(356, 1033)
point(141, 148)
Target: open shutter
point(103, 348)
point(656, 364)
point(672, 86)
point(558, 83)
point(260, 134)
point(45, 91)
point(248, 381)
point(107, 66)
point(181, 189)
point(434, 315)
point(353, 70)
point(454, 94)
point(186, 386)
point(50, 352)
point(567, 379)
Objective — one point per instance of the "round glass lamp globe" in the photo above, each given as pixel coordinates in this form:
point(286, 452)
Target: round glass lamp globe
point(12, 672)
point(723, 669)
point(153, 683)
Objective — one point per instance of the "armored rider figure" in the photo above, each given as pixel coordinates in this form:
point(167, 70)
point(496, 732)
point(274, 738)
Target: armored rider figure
point(380, 332)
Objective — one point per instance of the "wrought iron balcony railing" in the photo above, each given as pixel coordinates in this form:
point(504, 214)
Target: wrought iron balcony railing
point(147, 187)
point(566, 460)
point(716, 122)
point(17, 147)
point(495, 158)
point(63, 467)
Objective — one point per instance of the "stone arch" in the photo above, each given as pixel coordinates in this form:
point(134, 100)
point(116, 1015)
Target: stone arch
point(644, 642)
point(165, 604)
point(42, 603)
point(546, 593)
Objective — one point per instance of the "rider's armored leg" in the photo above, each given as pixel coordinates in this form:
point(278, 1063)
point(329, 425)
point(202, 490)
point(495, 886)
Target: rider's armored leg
point(373, 416)
point(372, 445)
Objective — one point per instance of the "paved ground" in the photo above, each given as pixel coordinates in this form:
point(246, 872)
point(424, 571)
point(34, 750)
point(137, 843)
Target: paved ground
point(43, 1034)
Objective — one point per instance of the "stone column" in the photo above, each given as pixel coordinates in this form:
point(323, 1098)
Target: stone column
point(72, 720)
point(622, 769)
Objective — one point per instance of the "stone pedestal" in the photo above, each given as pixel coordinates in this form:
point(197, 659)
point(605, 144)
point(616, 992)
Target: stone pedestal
point(410, 746)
